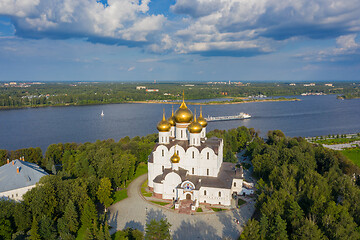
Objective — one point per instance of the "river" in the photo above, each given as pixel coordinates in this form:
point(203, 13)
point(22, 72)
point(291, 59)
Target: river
point(40, 127)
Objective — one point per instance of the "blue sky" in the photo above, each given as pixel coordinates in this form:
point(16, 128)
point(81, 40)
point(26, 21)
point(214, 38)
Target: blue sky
point(173, 40)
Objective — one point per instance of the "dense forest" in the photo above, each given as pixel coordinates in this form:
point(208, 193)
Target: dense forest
point(304, 191)
point(66, 203)
point(62, 94)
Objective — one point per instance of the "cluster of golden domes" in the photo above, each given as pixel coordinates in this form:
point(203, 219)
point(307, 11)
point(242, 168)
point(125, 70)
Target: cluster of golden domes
point(183, 115)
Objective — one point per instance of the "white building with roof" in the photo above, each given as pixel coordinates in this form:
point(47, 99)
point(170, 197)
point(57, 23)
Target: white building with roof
point(185, 165)
point(17, 177)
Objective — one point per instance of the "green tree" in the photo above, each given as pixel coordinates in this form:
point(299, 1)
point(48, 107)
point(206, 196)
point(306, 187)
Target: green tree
point(89, 215)
point(34, 231)
point(5, 229)
point(308, 230)
point(158, 230)
point(104, 192)
point(251, 230)
point(278, 229)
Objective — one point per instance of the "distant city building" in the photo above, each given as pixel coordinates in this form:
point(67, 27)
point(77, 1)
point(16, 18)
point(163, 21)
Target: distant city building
point(12, 83)
point(309, 84)
point(329, 84)
point(188, 168)
point(292, 84)
point(17, 177)
point(152, 90)
point(140, 87)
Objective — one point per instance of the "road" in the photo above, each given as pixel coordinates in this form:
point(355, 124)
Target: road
point(135, 212)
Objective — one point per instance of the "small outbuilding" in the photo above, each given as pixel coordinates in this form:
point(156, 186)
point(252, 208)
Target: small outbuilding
point(17, 177)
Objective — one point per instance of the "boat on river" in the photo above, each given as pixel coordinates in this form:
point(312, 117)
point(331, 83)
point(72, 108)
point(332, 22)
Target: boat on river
point(240, 116)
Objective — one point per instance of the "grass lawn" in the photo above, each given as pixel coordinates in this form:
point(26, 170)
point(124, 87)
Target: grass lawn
point(241, 202)
point(353, 154)
point(143, 191)
point(119, 195)
point(337, 140)
point(122, 194)
point(217, 209)
point(199, 209)
point(160, 203)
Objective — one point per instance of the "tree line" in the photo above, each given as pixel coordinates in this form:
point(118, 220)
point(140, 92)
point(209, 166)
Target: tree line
point(61, 94)
point(304, 191)
point(67, 203)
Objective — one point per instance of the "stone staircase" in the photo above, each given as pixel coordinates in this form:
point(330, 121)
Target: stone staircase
point(185, 206)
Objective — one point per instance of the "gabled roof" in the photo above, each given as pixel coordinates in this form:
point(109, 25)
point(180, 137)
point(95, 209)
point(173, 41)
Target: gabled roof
point(29, 174)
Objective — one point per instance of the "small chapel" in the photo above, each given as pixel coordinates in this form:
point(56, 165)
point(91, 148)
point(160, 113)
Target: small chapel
point(185, 165)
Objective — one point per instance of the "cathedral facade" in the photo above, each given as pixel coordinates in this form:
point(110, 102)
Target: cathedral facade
point(185, 165)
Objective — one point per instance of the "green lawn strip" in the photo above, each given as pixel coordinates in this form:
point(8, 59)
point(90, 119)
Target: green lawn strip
point(122, 194)
point(119, 195)
point(337, 141)
point(353, 154)
point(160, 203)
point(241, 202)
point(218, 209)
point(199, 209)
point(143, 190)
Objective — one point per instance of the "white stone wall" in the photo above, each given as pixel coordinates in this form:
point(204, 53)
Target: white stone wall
point(171, 181)
point(212, 196)
point(237, 186)
point(16, 194)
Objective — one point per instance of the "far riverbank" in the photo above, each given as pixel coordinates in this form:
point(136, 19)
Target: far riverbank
point(220, 102)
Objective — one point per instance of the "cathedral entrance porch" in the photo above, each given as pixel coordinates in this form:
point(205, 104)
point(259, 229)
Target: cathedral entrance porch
point(185, 205)
point(188, 196)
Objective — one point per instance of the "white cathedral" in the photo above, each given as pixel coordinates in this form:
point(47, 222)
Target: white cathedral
point(185, 165)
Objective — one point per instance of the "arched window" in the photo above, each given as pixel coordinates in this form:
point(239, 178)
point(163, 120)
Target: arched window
point(207, 155)
point(162, 152)
point(193, 170)
point(193, 154)
point(181, 133)
point(207, 172)
point(204, 192)
point(219, 194)
point(234, 184)
point(163, 168)
point(177, 152)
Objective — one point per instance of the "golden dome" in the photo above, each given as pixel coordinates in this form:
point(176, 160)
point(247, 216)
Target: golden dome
point(183, 114)
point(195, 126)
point(163, 125)
point(171, 119)
point(202, 120)
point(175, 158)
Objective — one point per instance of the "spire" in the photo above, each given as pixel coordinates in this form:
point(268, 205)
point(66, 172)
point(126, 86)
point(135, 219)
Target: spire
point(164, 119)
point(172, 110)
point(195, 115)
point(183, 104)
point(200, 111)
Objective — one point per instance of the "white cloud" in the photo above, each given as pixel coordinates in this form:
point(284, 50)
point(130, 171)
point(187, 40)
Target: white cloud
point(131, 69)
point(208, 27)
point(233, 25)
point(347, 50)
point(121, 19)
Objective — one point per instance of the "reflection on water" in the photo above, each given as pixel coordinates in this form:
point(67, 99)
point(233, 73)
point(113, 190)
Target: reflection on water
point(313, 116)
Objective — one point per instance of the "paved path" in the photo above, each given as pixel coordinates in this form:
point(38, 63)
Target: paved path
point(135, 212)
